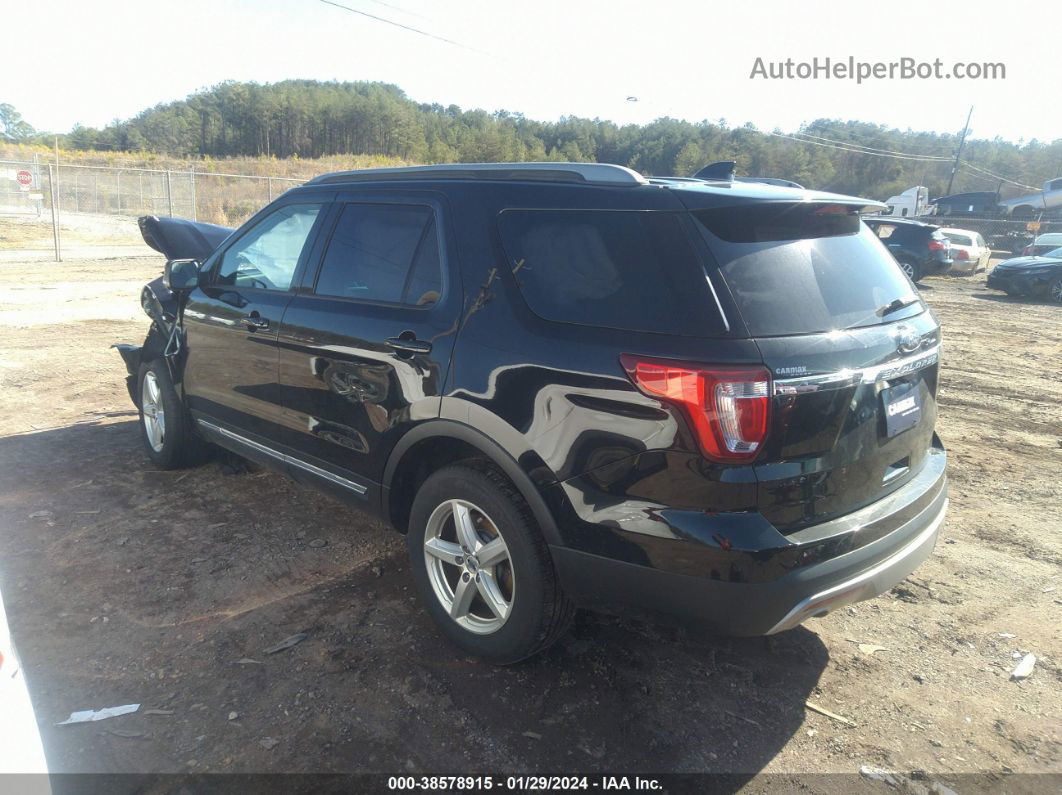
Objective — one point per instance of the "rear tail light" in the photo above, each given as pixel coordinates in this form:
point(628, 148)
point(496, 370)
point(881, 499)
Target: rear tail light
point(937, 245)
point(728, 407)
point(960, 253)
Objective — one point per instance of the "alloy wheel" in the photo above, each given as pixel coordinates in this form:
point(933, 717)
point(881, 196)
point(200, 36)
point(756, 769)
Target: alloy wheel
point(469, 566)
point(908, 268)
point(154, 413)
point(1056, 291)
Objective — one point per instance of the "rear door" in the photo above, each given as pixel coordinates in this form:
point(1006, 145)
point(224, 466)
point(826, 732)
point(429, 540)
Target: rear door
point(851, 348)
point(232, 320)
point(365, 345)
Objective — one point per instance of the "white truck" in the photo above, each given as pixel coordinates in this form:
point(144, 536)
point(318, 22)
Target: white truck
point(912, 203)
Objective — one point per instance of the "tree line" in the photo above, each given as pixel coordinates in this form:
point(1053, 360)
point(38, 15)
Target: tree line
point(311, 119)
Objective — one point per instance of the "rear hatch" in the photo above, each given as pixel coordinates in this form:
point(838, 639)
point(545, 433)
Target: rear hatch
point(851, 348)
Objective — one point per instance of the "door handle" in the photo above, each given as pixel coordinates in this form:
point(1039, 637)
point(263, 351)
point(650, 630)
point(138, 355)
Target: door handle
point(407, 342)
point(255, 321)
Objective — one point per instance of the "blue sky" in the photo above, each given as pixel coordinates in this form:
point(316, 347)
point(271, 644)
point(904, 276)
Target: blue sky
point(91, 62)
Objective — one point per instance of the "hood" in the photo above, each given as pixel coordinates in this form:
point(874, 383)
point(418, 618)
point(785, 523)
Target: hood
point(179, 238)
point(1024, 263)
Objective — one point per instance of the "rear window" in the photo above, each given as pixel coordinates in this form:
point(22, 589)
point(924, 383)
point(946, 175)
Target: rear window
point(960, 240)
point(805, 268)
point(617, 269)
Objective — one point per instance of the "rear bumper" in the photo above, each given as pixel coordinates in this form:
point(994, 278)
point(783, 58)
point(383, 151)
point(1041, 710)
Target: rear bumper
point(938, 265)
point(869, 583)
point(861, 556)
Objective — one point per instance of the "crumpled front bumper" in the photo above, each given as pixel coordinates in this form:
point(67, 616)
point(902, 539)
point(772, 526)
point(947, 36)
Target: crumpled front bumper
point(131, 355)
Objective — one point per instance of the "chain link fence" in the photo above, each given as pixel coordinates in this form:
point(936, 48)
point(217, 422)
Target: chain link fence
point(89, 202)
point(30, 190)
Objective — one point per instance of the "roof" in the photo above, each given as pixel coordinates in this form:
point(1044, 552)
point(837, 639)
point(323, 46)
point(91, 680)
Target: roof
point(594, 174)
point(587, 173)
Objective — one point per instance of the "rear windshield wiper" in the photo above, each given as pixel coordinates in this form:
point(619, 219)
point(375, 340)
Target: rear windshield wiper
point(896, 305)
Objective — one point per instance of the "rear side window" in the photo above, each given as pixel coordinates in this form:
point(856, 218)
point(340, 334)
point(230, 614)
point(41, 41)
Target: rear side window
point(805, 268)
point(616, 269)
point(383, 252)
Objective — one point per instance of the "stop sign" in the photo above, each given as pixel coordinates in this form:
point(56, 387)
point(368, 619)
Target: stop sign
point(24, 177)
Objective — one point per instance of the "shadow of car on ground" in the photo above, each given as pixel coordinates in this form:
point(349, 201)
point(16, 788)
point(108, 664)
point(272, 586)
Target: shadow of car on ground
point(130, 585)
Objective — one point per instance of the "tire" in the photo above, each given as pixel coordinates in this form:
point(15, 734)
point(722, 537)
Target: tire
point(1054, 290)
point(913, 272)
point(165, 427)
point(506, 610)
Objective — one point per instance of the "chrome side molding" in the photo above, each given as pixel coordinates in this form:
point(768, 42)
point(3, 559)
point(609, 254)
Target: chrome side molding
point(357, 488)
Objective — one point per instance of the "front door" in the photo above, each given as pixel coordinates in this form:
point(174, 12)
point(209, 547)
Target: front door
point(232, 320)
point(364, 348)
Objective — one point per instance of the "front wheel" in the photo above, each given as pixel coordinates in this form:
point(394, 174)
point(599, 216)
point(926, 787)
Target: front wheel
point(482, 566)
point(164, 426)
point(1054, 290)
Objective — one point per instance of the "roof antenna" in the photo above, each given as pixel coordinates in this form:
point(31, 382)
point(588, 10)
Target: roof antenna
point(723, 170)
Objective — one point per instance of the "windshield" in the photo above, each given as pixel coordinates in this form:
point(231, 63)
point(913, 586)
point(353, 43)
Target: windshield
point(800, 269)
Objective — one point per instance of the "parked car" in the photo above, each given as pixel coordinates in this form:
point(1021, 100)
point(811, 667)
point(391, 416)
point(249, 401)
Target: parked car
point(969, 251)
point(1042, 244)
point(921, 249)
point(567, 384)
point(980, 204)
point(1039, 276)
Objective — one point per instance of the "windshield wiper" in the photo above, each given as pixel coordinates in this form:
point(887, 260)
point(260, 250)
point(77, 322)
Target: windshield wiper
point(896, 305)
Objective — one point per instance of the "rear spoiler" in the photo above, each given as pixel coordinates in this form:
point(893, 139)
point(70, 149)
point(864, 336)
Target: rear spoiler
point(179, 238)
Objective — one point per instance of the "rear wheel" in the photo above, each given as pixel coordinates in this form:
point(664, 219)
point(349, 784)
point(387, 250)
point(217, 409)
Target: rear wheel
point(912, 270)
point(164, 425)
point(482, 566)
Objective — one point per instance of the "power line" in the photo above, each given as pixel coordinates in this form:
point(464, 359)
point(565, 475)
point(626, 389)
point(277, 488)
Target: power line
point(868, 150)
point(399, 9)
point(404, 27)
point(872, 149)
point(922, 158)
point(996, 176)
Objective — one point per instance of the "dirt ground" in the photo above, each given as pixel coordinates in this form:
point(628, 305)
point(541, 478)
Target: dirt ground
point(125, 584)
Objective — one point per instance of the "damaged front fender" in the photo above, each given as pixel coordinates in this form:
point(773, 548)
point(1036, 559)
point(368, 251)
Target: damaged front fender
point(133, 356)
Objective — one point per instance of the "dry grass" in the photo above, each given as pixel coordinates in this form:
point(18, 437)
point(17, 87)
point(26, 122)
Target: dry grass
point(225, 200)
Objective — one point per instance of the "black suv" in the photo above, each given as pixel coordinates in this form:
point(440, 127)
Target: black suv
point(921, 249)
point(568, 384)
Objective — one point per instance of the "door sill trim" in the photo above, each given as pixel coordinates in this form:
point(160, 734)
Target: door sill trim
point(357, 488)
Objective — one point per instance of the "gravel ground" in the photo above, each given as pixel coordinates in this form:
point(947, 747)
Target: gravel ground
point(125, 584)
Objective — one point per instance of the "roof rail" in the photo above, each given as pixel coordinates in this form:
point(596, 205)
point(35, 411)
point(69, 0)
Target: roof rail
point(587, 173)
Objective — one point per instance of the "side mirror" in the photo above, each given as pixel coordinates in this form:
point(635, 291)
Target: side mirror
point(180, 274)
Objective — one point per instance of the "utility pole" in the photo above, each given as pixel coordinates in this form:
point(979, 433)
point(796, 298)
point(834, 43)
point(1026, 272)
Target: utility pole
point(55, 207)
point(958, 152)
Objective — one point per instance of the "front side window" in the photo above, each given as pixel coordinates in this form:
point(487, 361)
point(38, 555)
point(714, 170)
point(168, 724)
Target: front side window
point(383, 252)
point(266, 257)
